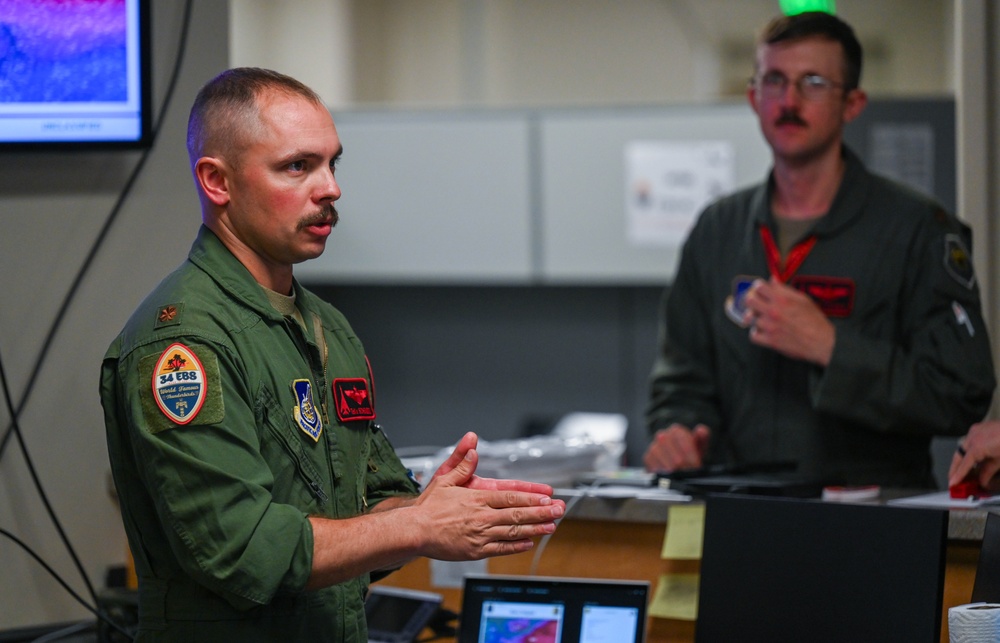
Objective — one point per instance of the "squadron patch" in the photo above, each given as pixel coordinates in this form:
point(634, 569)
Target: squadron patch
point(179, 383)
point(352, 400)
point(834, 295)
point(957, 262)
point(305, 412)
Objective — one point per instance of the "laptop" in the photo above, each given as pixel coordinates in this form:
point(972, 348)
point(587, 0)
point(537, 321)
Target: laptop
point(782, 569)
point(521, 609)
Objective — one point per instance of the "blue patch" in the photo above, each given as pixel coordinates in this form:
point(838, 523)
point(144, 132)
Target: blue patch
point(735, 305)
point(305, 410)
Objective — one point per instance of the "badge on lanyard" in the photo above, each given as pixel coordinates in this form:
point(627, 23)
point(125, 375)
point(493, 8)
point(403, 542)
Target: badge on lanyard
point(352, 400)
point(305, 410)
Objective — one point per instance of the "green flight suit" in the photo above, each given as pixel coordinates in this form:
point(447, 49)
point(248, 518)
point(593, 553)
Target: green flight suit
point(912, 357)
point(228, 425)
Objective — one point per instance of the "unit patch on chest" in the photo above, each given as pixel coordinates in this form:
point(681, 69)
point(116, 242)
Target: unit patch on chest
point(306, 415)
point(352, 399)
point(834, 295)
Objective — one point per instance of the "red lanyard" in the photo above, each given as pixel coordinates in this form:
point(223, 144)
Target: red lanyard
point(784, 270)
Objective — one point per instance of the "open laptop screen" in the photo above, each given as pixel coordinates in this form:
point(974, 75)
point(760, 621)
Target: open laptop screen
point(776, 569)
point(535, 609)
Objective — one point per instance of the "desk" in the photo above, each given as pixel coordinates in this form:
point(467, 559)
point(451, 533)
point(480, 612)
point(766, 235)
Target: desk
point(622, 538)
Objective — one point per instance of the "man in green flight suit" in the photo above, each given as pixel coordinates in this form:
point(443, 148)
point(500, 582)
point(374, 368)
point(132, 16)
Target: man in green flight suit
point(828, 317)
point(257, 493)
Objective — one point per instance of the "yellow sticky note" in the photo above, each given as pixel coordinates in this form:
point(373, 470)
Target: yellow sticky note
point(676, 597)
point(685, 529)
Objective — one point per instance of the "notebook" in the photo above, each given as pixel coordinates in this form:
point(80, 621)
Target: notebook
point(780, 569)
point(522, 609)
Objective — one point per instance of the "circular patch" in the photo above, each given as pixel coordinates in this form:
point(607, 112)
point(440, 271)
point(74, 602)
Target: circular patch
point(179, 383)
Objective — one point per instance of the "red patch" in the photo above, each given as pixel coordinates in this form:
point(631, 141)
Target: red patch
point(352, 399)
point(834, 295)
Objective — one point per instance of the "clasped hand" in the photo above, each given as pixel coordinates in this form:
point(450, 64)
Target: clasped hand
point(789, 321)
point(469, 517)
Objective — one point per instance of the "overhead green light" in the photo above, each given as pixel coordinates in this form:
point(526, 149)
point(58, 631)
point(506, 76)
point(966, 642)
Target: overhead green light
point(792, 7)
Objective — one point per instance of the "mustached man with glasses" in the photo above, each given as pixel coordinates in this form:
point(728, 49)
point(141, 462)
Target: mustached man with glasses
point(827, 318)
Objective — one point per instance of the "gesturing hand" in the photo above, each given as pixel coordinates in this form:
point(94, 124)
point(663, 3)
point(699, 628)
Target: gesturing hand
point(464, 517)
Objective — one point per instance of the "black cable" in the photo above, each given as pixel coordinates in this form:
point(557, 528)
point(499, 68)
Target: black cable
point(14, 427)
point(69, 590)
point(41, 490)
point(105, 229)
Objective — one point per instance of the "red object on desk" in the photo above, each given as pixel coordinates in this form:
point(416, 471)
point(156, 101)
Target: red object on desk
point(968, 488)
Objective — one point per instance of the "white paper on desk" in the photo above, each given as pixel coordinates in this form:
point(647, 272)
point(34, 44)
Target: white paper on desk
point(446, 573)
point(943, 500)
point(626, 491)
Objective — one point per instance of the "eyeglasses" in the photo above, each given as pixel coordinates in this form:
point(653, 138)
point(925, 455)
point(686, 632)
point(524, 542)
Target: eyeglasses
point(811, 86)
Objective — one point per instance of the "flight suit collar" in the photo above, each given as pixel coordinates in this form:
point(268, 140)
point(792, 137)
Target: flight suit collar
point(848, 204)
point(211, 255)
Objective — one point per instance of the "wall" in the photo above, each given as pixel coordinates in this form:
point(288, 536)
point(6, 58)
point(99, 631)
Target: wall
point(53, 206)
point(502, 53)
point(502, 360)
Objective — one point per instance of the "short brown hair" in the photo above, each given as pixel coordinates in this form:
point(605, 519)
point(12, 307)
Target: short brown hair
point(823, 25)
point(226, 109)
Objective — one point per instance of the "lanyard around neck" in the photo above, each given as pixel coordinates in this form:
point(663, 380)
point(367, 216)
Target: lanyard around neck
point(783, 270)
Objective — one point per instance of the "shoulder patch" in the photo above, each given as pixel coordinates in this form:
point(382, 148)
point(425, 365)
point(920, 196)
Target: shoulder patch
point(957, 261)
point(182, 386)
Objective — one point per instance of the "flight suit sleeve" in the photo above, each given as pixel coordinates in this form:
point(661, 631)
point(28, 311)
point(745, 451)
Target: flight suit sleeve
point(683, 379)
point(213, 487)
point(938, 378)
point(386, 476)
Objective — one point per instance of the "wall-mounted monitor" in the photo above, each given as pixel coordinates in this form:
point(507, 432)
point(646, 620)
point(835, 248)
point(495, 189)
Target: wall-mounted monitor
point(74, 74)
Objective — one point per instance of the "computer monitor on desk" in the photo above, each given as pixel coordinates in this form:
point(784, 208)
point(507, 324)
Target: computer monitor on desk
point(778, 569)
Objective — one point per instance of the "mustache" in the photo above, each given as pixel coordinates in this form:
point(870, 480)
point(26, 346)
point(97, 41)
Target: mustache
point(327, 215)
point(789, 118)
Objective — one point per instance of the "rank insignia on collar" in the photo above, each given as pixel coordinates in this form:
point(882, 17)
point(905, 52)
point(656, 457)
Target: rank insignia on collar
point(352, 399)
point(179, 383)
point(305, 412)
point(957, 261)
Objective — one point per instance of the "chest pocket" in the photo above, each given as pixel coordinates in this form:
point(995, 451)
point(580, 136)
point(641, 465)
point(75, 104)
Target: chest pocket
point(295, 466)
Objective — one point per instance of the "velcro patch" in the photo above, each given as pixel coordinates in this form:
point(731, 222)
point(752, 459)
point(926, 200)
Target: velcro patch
point(181, 386)
point(352, 399)
point(304, 411)
point(957, 262)
point(834, 295)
